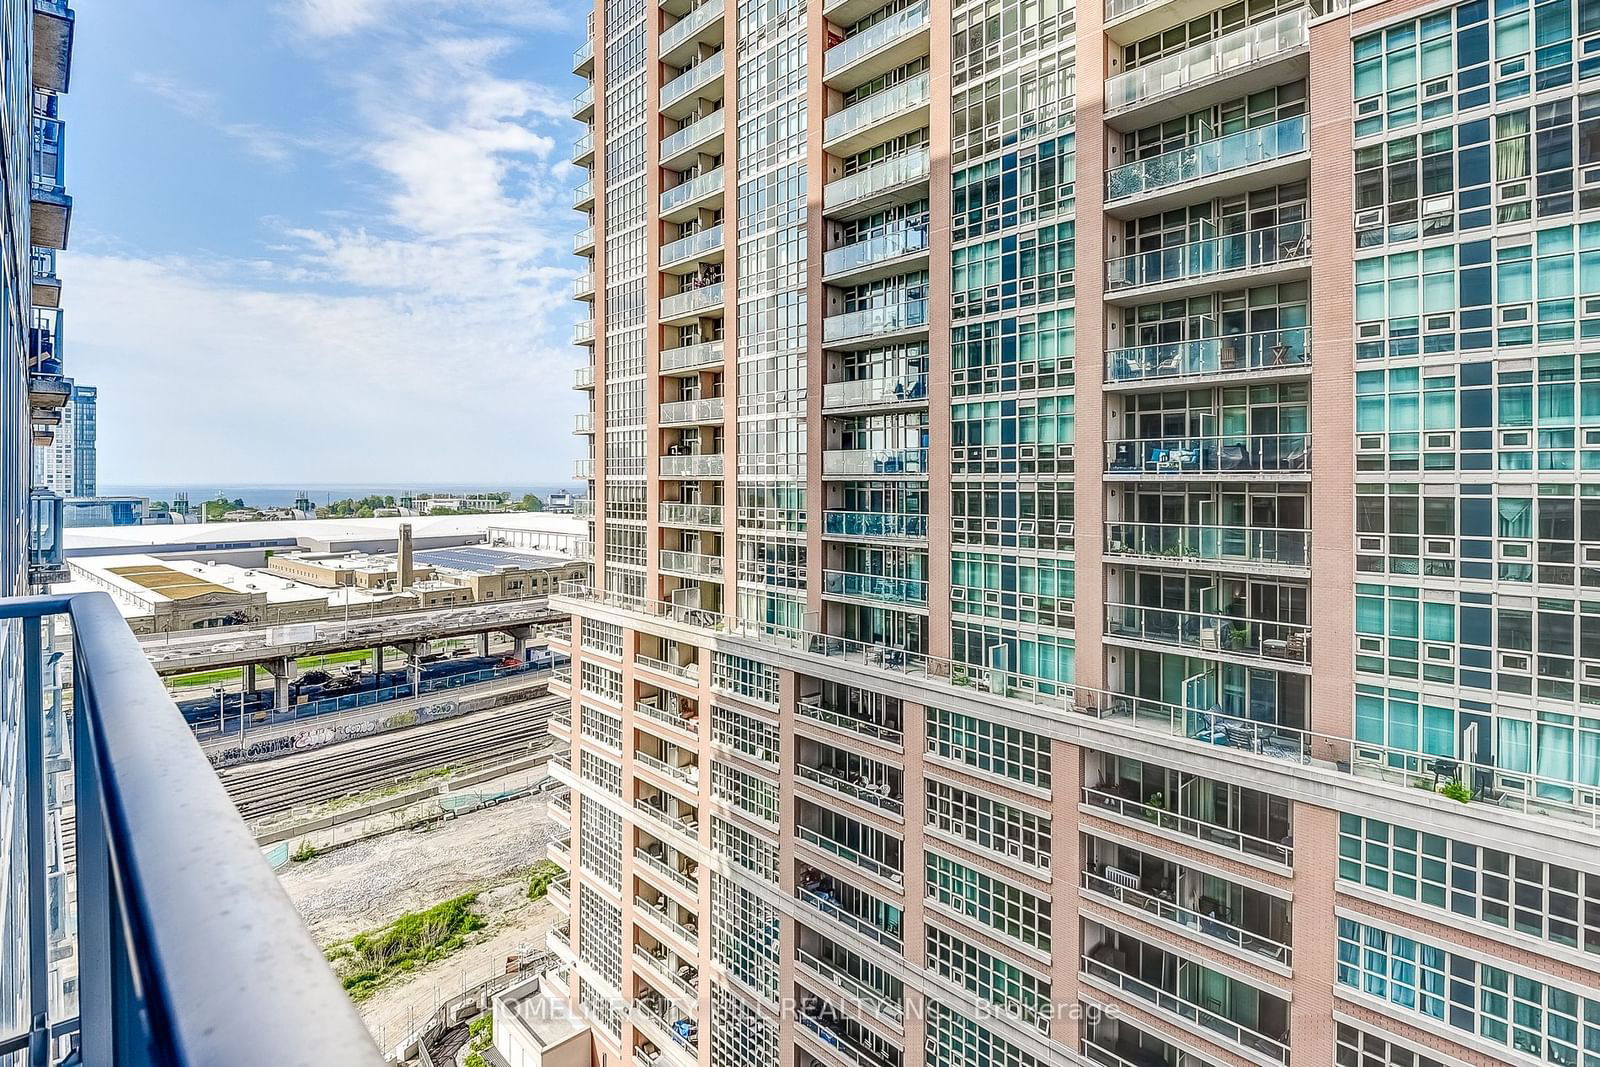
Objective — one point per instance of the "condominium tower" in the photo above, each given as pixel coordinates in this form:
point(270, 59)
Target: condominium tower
point(1193, 661)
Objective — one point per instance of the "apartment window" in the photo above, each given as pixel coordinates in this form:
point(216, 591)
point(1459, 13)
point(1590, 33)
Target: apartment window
point(1033, 184)
point(1357, 1048)
point(953, 1040)
point(1539, 1021)
point(600, 726)
point(1010, 833)
point(741, 847)
point(600, 934)
point(989, 747)
point(740, 1035)
point(1543, 900)
point(602, 772)
point(744, 677)
point(745, 935)
point(601, 681)
point(995, 585)
point(599, 1007)
point(746, 734)
point(753, 796)
point(1001, 906)
point(602, 637)
point(600, 841)
point(990, 977)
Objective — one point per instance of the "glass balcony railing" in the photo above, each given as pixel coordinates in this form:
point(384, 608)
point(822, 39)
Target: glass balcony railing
point(699, 516)
point(911, 313)
point(1209, 159)
point(691, 247)
point(874, 525)
point(902, 240)
point(879, 178)
point(583, 100)
point(584, 238)
point(1229, 53)
point(692, 134)
point(905, 96)
point(696, 563)
point(879, 461)
point(583, 148)
point(1174, 915)
point(1172, 1004)
point(1225, 454)
point(1238, 353)
point(584, 422)
point(692, 301)
point(692, 23)
point(1209, 631)
point(681, 412)
point(583, 377)
point(697, 76)
point(1209, 544)
point(880, 587)
point(689, 357)
point(1233, 253)
point(149, 914)
point(583, 469)
point(691, 190)
point(583, 284)
point(583, 54)
point(583, 194)
point(583, 331)
point(911, 387)
point(703, 466)
point(902, 23)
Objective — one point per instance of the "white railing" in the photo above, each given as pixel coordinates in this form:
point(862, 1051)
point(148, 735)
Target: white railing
point(681, 670)
point(880, 106)
point(879, 178)
point(682, 412)
point(701, 466)
point(690, 357)
point(1228, 54)
point(584, 238)
point(1265, 350)
point(874, 999)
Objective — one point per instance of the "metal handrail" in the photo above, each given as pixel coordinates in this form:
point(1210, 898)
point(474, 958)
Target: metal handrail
point(181, 922)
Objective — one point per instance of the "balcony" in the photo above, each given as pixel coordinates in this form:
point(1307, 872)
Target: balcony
point(870, 189)
point(888, 872)
point(832, 1031)
point(583, 286)
point(583, 469)
point(873, 326)
point(1266, 641)
point(584, 423)
point(1209, 546)
point(669, 967)
point(559, 892)
point(852, 908)
point(692, 303)
point(701, 81)
point(1252, 58)
point(583, 149)
point(658, 810)
point(583, 332)
point(910, 388)
point(583, 104)
point(1267, 255)
point(691, 358)
point(692, 564)
point(877, 462)
point(847, 775)
point(678, 870)
point(884, 115)
point(874, 526)
point(583, 241)
point(46, 524)
point(1269, 353)
point(51, 206)
point(583, 58)
point(583, 377)
point(1228, 457)
point(53, 25)
point(667, 914)
point(705, 465)
point(583, 196)
point(46, 285)
point(880, 48)
point(48, 392)
point(702, 25)
point(164, 866)
point(878, 726)
point(692, 412)
point(703, 136)
point(1225, 165)
point(681, 202)
point(891, 1010)
point(1208, 918)
point(878, 588)
point(671, 1025)
point(692, 516)
point(679, 712)
point(702, 246)
point(895, 251)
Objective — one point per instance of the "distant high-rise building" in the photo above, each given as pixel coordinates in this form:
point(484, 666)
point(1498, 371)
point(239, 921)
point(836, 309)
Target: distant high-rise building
point(67, 464)
point(84, 419)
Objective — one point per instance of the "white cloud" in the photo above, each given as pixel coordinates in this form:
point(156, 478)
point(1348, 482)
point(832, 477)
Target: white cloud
point(339, 18)
point(270, 146)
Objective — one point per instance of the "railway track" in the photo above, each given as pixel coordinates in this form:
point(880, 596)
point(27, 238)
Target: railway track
point(478, 739)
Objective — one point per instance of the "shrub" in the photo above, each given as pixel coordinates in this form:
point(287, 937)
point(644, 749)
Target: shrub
point(304, 851)
point(544, 872)
point(413, 939)
point(480, 1032)
point(1455, 791)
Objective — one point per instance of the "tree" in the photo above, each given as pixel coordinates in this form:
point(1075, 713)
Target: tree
point(531, 503)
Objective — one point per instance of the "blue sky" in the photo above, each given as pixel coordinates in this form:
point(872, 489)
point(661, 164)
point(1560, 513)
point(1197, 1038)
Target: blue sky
point(324, 240)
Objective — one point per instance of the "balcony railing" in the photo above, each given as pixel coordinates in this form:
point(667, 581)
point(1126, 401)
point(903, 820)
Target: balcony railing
point(702, 466)
point(583, 422)
point(692, 23)
point(692, 134)
point(907, 95)
point(904, 239)
point(695, 563)
point(583, 469)
point(875, 1000)
point(682, 772)
point(701, 74)
point(700, 516)
point(691, 190)
point(686, 879)
point(902, 23)
point(687, 671)
point(874, 525)
point(878, 461)
point(1209, 159)
point(692, 301)
point(683, 977)
point(583, 54)
point(684, 826)
point(875, 180)
point(583, 332)
point(911, 387)
point(583, 377)
point(879, 587)
point(164, 871)
point(825, 903)
point(46, 524)
point(691, 357)
point(1289, 243)
point(1209, 631)
point(691, 247)
point(583, 285)
point(845, 852)
point(583, 148)
point(1183, 1009)
point(583, 194)
point(844, 1046)
point(584, 238)
point(1227, 455)
point(651, 707)
point(1267, 350)
point(810, 709)
point(1230, 53)
point(583, 101)
point(910, 313)
point(692, 412)
point(1209, 544)
point(1176, 915)
point(873, 794)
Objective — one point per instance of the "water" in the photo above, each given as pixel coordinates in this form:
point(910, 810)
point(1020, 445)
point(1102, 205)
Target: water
point(283, 496)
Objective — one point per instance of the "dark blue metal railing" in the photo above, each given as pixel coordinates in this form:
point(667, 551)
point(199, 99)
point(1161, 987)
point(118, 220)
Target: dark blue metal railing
point(189, 953)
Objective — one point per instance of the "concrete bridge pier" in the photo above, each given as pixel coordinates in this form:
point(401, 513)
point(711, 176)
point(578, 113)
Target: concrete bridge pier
point(520, 636)
point(414, 666)
point(282, 671)
point(483, 643)
point(249, 677)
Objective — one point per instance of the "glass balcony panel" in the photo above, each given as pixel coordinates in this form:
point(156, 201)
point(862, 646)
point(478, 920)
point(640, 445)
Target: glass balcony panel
point(692, 246)
point(905, 21)
point(583, 239)
point(1214, 632)
point(865, 392)
point(691, 24)
point(1288, 453)
point(702, 466)
point(902, 240)
point(882, 587)
point(1221, 155)
point(1209, 544)
point(1234, 51)
point(910, 314)
point(693, 133)
point(911, 93)
point(875, 461)
point(691, 190)
point(870, 181)
point(702, 73)
point(872, 524)
point(702, 516)
point(1267, 350)
point(695, 563)
point(692, 301)
point(1248, 250)
point(688, 357)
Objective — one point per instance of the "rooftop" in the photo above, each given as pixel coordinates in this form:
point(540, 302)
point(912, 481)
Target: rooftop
point(316, 534)
point(155, 581)
point(474, 559)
